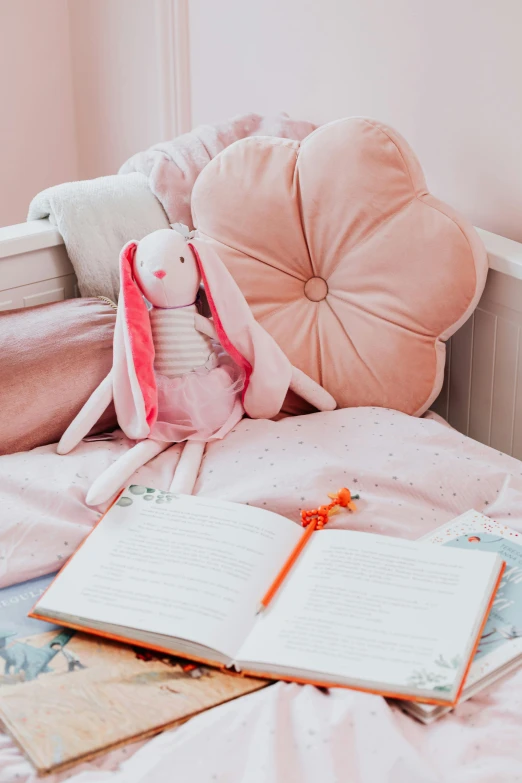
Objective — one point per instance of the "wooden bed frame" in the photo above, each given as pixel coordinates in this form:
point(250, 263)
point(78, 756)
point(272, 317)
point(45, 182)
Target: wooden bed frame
point(482, 392)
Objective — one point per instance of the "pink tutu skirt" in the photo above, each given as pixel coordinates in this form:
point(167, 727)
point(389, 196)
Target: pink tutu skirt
point(204, 404)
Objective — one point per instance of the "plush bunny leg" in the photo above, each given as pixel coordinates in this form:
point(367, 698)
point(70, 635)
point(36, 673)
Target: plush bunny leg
point(87, 417)
point(310, 391)
point(116, 476)
point(188, 467)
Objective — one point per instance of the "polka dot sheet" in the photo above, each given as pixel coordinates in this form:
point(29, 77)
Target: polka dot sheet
point(412, 476)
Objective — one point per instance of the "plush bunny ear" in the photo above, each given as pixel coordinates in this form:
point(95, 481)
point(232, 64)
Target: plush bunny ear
point(134, 382)
point(184, 230)
point(267, 370)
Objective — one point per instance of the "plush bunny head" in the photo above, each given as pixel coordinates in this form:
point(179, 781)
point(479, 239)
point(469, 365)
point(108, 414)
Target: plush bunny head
point(165, 269)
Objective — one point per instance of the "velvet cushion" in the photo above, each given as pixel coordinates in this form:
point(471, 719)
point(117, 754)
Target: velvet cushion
point(53, 357)
point(356, 270)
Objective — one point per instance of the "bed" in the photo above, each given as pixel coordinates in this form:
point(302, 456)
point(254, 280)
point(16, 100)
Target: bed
point(412, 474)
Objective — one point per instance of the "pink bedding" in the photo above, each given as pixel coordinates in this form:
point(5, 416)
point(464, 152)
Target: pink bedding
point(413, 474)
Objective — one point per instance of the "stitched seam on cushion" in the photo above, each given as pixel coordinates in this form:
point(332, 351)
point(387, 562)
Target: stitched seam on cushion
point(284, 306)
point(372, 233)
point(440, 212)
point(297, 187)
point(431, 338)
point(379, 317)
point(365, 364)
point(319, 345)
point(257, 260)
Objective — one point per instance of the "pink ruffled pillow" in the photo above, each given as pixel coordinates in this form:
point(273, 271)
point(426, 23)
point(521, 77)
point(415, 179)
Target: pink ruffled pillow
point(357, 271)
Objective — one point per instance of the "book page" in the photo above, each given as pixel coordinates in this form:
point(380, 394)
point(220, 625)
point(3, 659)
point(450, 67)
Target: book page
point(182, 566)
point(376, 609)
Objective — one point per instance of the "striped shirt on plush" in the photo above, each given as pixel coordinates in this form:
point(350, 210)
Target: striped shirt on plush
point(179, 347)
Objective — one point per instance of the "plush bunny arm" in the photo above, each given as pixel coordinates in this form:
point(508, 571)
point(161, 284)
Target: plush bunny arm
point(300, 383)
point(188, 467)
point(310, 391)
point(117, 474)
point(205, 326)
point(87, 417)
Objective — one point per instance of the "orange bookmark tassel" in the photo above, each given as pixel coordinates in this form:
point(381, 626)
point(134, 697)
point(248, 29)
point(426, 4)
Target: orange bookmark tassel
point(312, 520)
point(342, 499)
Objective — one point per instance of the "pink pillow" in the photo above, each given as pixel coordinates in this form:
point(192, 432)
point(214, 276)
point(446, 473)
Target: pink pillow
point(53, 357)
point(357, 271)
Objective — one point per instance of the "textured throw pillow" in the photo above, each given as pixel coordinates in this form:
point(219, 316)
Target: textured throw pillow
point(345, 257)
point(52, 358)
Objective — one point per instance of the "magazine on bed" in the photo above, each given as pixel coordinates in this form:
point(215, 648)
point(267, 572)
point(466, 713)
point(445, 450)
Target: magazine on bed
point(186, 574)
point(66, 696)
point(500, 647)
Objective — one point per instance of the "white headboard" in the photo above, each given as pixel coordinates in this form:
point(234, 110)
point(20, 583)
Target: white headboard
point(482, 392)
point(34, 266)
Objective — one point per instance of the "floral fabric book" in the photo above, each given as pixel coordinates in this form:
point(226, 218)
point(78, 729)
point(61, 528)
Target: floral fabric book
point(66, 697)
point(185, 575)
point(500, 648)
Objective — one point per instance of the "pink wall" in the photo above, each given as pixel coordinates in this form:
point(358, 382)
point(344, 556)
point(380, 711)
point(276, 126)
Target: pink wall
point(37, 140)
point(80, 86)
point(78, 95)
point(116, 84)
point(446, 74)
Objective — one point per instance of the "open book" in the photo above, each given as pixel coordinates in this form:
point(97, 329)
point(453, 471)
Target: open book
point(499, 651)
point(186, 574)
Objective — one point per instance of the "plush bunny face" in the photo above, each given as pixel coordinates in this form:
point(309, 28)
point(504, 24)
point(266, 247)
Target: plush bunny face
point(166, 270)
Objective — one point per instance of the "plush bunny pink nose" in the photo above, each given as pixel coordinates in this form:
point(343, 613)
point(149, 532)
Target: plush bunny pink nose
point(160, 273)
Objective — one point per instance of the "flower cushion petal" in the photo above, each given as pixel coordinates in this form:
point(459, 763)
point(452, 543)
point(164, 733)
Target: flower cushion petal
point(357, 271)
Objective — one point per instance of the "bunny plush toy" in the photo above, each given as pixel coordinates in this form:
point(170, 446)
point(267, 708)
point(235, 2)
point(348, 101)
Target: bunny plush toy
point(177, 375)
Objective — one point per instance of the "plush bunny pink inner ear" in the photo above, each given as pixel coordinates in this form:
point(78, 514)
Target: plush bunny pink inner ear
point(142, 407)
point(267, 370)
point(229, 347)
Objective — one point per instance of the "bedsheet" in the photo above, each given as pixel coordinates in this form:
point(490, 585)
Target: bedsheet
point(412, 474)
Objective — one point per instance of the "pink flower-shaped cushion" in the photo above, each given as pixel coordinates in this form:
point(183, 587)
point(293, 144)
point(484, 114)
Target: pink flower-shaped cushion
point(344, 256)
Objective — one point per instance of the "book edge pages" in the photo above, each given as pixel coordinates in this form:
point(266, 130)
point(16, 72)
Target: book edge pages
point(426, 717)
point(481, 630)
point(85, 628)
